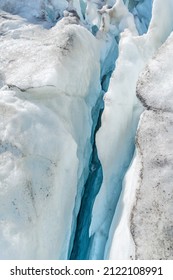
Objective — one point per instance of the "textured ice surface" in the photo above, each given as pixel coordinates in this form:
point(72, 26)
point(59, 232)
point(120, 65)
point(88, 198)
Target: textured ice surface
point(155, 86)
point(50, 88)
point(152, 225)
point(142, 11)
point(153, 89)
point(123, 246)
point(119, 121)
point(35, 10)
point(152, 214)
point(45, 130)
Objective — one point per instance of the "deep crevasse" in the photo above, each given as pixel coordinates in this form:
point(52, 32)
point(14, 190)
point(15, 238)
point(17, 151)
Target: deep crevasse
point(59, 101)
point(33, 193)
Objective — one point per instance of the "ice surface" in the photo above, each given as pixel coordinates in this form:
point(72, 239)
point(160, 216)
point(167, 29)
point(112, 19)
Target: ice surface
point(158, 72)
point(152, 214)
point(123, 246)
point(46, 125)
point(142, 11)
point(151, 224)
point(53, 74)
point(32, 181)
point(119, 121)
point(49, 10)
point(117, 18)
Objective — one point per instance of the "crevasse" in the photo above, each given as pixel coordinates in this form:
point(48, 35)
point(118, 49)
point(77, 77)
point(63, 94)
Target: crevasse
point(63, 161)
point(92, 245)
point(41, 181)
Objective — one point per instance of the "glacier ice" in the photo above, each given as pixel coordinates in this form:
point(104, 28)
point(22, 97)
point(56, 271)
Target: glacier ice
point(156, 35)
point(119, 121)
point(66, 187)
point(40, 10)
point(46, 124)
point(154, 200)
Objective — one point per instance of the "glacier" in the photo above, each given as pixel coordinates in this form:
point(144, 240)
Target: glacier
point(55, 113)
point(85, 129)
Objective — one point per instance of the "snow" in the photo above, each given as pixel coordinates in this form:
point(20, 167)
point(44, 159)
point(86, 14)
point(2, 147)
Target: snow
point(46, 125)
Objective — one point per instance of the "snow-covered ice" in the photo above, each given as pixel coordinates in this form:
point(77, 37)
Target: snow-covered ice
point(57, 61)
point(152, 214)
point(153, 88)
point(46, 125)
point(119, 121)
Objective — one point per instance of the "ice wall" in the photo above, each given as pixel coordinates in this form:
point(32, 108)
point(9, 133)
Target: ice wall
point(142, 11)
point(115, 139)
point(152, 214)
point(121, 224)
point(49, 10)
point(46, 125)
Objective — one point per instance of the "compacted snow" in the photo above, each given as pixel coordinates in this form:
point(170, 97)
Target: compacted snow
point(68, 185)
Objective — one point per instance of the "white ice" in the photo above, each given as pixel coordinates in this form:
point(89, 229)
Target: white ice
point(35, 10)
point(122, 246)
point(48, 89)
point(118, 120)
point(49, 86)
